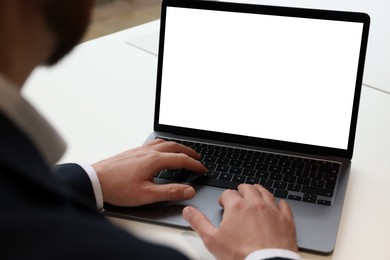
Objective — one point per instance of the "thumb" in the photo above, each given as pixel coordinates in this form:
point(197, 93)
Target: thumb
point(286, 210)
point(174, 191)
point(199, 222)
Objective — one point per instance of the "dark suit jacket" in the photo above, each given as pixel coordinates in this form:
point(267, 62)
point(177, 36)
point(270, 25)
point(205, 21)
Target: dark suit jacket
point(51, 213)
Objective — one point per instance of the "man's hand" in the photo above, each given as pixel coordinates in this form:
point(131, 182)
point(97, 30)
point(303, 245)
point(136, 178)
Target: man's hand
point(251, 221)
point(127, 178)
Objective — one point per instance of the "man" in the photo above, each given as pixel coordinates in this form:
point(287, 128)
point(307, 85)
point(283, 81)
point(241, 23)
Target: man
point(52, 212)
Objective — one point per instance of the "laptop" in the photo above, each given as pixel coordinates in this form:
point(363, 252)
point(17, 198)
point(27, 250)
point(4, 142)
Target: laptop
point(266, 95)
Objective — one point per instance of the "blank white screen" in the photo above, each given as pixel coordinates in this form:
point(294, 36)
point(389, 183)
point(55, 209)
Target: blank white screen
point(274, 77)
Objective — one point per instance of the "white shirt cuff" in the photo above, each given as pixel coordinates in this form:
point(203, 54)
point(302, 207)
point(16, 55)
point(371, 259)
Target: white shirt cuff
point(271, 253)
point(97, 189)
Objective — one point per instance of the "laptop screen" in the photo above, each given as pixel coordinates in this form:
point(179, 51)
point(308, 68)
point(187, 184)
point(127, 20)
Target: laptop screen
point(267, 76)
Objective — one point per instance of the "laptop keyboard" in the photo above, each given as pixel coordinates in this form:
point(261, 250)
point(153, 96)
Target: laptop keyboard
point(289, 177)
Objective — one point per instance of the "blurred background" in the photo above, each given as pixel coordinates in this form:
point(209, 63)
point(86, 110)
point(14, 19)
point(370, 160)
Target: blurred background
point(111, 16)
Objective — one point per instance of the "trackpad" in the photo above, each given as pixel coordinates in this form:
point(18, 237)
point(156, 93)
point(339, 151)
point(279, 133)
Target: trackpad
point(174, 216)
point(206, 200)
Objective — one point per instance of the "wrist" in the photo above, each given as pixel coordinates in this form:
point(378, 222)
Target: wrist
point(96, 185)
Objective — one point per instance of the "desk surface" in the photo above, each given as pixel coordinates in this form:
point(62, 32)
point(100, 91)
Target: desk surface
point(101, 98)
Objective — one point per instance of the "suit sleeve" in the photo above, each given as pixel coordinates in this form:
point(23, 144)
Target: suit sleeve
point(78, 180)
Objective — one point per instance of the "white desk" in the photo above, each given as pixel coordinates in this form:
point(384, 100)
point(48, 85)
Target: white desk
point(102, 96)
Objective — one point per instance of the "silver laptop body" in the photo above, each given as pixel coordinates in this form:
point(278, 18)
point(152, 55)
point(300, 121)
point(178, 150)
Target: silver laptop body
point(278, 81)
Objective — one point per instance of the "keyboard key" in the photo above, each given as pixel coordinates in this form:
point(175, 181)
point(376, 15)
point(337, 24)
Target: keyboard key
point(198, 149)
point(209, 159)
point(280, 185)
point(222, 160)
point(297, 165)
point(262, 174)
point(316, 175)
point(317, 191)
point(236, 163)
point(289, 171)
point(275, 169)
point(284, 163)
point(331, 169)
point(330, 177)
point(261, 167)
point(207, 151)
point(212, 174)
point(302, 173)
point(324, 202)
point(311, 167)
point(267, 183)
point(317, 183)
point(210, 166)
point(245, 157)
point(275, 176)
point(249, 172)
point(310, 198)
point(271, 161)
point(289, 178)
point(294, 187)
point(280, 193)
point(165, 175)
point(221, 154)
point(280, 156)
point(222, 168)
point(303, 181)
point(235, 170)
point(295, 197)
point(257, 158)
point(239, 178)
point(225, 176)
point(187, 143)
point(218, 183)
point(249, 165)
point(232, 155)
point(330, 184)
point(252, 180)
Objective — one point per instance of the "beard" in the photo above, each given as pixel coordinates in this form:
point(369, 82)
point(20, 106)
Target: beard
point(68, 21)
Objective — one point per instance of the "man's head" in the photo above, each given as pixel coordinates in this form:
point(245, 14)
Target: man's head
point(68, 20)
point(36, 32)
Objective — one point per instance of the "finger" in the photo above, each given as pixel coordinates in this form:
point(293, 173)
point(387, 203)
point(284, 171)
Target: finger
point(199, 223)
point(285, 209)
point(155, 141)
point(265, 194)
point(171, 192)
point(179, 160)
point(249, 192)
point(172, 147)
point(228, 197)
